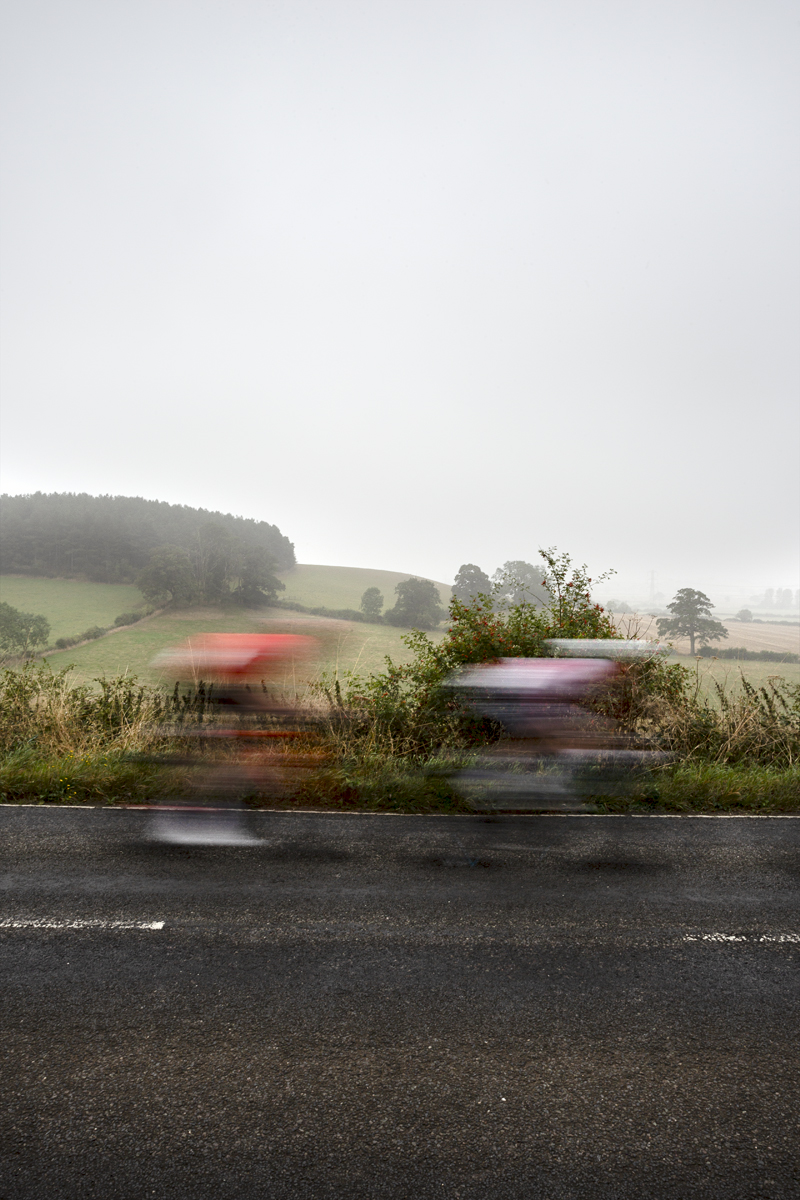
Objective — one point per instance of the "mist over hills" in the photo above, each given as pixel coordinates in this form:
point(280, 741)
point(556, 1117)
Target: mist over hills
point(109, 539)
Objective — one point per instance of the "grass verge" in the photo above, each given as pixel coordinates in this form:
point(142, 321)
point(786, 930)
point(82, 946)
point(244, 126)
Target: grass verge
point(379, 785)
point(711, 787)
point(27, 777)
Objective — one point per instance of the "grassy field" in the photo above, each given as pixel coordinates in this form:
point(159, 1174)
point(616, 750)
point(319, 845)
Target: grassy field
point(70, 605)
point(728, 673)
point(349, 645)
point(343, 587)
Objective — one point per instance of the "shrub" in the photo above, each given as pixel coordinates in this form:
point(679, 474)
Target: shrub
point(756, 725)
point(409, 710)
point(91, 634)
point(21, 632)
point(128, 618)
point(739, 654)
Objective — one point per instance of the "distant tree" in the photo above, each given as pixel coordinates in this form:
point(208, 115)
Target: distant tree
point(215, 558)
point(418, 605)
point(110, 538)
point(520, 582)
point(744, 614)
point(169, 577)
point(619, 606)
point(257, 583)
point(691, 617)
point(21, 631)
point(470, 582)
point(372, 604)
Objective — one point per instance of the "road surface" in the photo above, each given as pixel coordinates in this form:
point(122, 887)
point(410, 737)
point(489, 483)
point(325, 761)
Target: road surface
point(393, 1006)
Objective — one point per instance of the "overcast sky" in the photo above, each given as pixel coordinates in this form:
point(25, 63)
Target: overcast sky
point(420, 282)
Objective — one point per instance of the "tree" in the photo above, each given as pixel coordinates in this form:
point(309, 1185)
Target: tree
point(21, 631)
point(417, 606)
point(215, 559)
point(520, 582)
point(168, 576)
point(691, 618)
point(470, 583)
point(744, 614)
point(372, 603)
point(258, 585)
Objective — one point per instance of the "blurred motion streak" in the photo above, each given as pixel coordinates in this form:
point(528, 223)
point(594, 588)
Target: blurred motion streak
point(555, 752)
point(238, 732)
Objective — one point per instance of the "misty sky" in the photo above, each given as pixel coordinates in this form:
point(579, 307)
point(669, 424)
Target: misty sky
point(420, 282)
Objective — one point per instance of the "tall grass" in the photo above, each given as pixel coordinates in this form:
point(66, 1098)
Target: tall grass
point(45, 709)
point(743, 726)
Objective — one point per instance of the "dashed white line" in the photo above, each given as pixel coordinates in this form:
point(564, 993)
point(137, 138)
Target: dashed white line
point(41, 923)
point(743, 937)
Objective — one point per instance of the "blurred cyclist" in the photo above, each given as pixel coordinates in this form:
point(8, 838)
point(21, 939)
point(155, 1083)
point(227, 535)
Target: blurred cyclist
point(246, 712)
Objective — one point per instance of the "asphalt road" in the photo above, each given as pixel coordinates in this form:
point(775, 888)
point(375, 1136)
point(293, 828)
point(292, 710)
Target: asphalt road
point(378, 1006)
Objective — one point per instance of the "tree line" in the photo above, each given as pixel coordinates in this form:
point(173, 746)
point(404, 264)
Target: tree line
point(219, 568)
point(418, 604)
point(515, 582)
point(110, 539)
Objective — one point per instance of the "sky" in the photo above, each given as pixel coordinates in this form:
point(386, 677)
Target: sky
point(421, 282)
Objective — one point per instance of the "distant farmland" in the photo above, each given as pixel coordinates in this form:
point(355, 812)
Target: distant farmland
point(70, 605)
point(352, 645)
point(785, 639)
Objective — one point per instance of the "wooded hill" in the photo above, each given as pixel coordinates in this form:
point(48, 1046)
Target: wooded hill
point(109, 539)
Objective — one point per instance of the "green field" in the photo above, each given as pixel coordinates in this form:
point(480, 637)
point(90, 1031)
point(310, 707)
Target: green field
point(350, 645)
point(70, 605)
point(343, 587)
point(729, 673)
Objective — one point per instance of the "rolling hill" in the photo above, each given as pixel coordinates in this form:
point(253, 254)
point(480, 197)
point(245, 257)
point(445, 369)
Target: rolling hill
point(343, 587)
point(72, 606)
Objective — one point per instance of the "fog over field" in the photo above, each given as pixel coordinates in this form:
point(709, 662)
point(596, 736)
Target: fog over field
point(422, 284)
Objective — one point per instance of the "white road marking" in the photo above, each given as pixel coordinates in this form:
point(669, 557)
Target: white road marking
point(743, 937)
point(329, 812)
point(41, 923)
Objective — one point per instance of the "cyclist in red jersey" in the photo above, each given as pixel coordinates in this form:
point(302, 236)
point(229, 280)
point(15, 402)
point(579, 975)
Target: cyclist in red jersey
point(246, 710)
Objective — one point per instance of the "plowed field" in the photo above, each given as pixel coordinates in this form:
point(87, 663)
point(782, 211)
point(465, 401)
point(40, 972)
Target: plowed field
point(750, 636)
